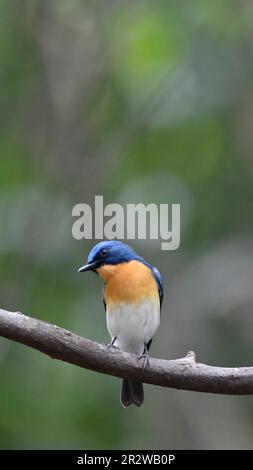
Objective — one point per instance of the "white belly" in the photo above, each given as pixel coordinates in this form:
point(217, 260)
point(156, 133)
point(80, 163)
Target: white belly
point(133, 325)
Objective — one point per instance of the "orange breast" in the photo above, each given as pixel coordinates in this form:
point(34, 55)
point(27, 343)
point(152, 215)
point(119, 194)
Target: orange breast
point(128, 282)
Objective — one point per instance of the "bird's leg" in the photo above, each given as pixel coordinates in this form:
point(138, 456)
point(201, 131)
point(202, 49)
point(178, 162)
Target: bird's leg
point(145, 356)
point(111, 344)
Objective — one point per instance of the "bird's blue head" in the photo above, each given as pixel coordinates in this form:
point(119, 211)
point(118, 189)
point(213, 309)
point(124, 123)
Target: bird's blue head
point(108, 253)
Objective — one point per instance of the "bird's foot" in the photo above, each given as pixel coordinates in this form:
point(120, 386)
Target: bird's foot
point(111, 344)
point(145, 358)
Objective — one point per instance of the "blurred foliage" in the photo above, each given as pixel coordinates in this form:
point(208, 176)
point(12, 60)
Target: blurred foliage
point(136, 101)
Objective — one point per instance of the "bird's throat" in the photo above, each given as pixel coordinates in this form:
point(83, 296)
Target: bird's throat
point(107, 271)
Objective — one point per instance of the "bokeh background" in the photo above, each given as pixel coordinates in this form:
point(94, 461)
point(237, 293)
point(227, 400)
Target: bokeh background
point(139, 101)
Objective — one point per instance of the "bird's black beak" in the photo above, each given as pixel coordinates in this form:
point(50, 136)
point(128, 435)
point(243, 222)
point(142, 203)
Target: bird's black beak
point(88, 267)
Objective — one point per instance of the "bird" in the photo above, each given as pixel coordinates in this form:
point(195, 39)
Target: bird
point(132, 296)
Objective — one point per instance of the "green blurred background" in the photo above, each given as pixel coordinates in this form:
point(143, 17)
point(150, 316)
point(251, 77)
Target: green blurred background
point(140, 101)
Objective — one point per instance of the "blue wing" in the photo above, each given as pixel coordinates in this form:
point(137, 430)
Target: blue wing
point(159, 282)
point(103, 296)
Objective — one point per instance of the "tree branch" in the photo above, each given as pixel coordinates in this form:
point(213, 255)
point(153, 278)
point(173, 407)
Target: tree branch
point(185, 373)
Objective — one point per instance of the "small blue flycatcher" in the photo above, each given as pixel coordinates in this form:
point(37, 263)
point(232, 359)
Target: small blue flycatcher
point(132, 296)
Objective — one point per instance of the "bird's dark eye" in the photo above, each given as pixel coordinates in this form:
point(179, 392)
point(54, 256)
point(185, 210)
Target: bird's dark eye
point(104, 252)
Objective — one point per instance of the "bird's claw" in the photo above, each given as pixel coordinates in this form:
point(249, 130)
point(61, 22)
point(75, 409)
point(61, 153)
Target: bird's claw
point(111, 344)
point(145, 361)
